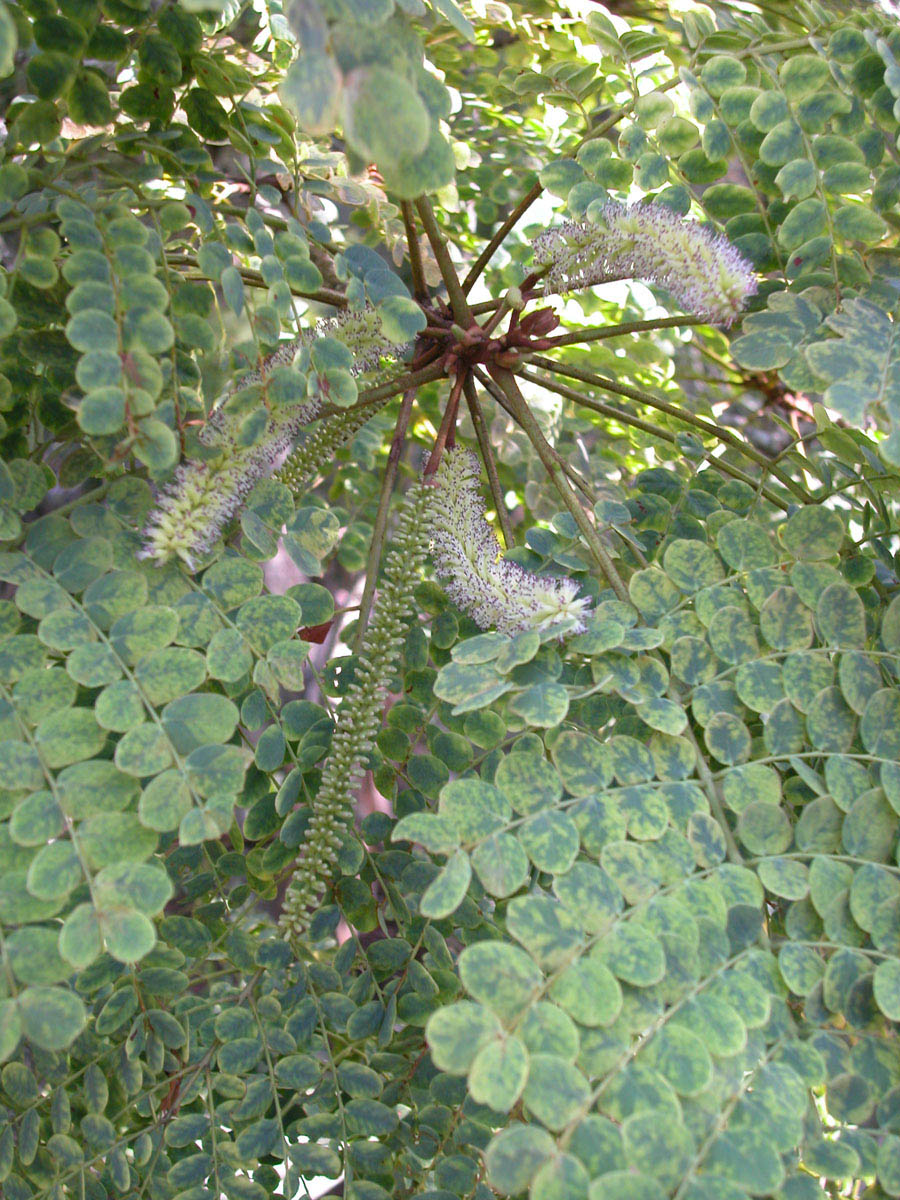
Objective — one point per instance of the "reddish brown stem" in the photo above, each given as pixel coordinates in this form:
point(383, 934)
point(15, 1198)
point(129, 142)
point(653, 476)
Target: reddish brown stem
point(415, 252)
point(447, 432)
point(484, 445)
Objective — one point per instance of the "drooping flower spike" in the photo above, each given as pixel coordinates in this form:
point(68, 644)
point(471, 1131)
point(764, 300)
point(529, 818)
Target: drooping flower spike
point(204, 495)
point(359, 715)
point(705, 274)
point(495, 593)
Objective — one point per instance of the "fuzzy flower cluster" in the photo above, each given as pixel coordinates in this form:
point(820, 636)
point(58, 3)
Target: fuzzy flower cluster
point(495, 593)
point(359, 716)
point(360, 331)
point(203, 496)
point(705, 274)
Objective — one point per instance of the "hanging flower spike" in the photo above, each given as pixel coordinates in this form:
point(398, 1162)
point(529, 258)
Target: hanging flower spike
point(316, 453)
point(359, 716)
point(707, 276)
point(495, 593)
point(203, 496)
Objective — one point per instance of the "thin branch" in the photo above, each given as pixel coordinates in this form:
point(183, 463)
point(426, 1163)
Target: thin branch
point(625, 418)
point(447, 430)
point(680, 414)
point(321, 295)
point(381, 517)
point(710, 787)
point(507, 382)
point(774, 47)
point(578, 336)
point(415, 252)
point(410, 379)
point(458, 302)
point(489, 386)
point(94, 494)
point(499, 235)
point(483, 306)
point(487, 454)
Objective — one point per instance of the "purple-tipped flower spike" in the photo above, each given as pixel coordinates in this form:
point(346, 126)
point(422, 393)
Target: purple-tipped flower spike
point(707, 276)
point(495, 593)
point(203, 496)
point(358, 329)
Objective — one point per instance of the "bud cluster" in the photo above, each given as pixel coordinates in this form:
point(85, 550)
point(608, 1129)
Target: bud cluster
point(705, 274)
point(315, 454)
point(359, 716)
point(495, 593)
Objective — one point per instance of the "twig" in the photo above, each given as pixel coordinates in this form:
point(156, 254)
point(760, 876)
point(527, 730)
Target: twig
point(489, 386)
point(618, 414)
point(447, 429)
point(487, 454)
point(321, 295)
point(483, 306)
point(95, 493)
point(578, 336)
point(499, 235)
point(458, 302)
point(710, 787)
point(415, 252)
point(536, 188)
point(507, 382)
point(393, 387)
point(680, 414)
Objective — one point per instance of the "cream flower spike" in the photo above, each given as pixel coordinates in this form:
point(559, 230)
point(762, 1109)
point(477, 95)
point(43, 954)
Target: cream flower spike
point(203, 496)
point(707, 276)
point(194, 508)
point(495, 593)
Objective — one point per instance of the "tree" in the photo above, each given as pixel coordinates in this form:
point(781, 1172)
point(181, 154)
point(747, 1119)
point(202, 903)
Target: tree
point(529, 824)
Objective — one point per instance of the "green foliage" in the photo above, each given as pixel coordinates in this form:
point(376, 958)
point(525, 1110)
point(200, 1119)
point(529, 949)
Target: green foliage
point(613, 913)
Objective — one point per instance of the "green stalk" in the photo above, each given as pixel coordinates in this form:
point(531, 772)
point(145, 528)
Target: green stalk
point(490, 387)
point(458, 301)
point(487, 454)
point(680, 414)
point(526, 419)
point(379, 530)
point(415, 253)
point(618, 414)
point(578, 337)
